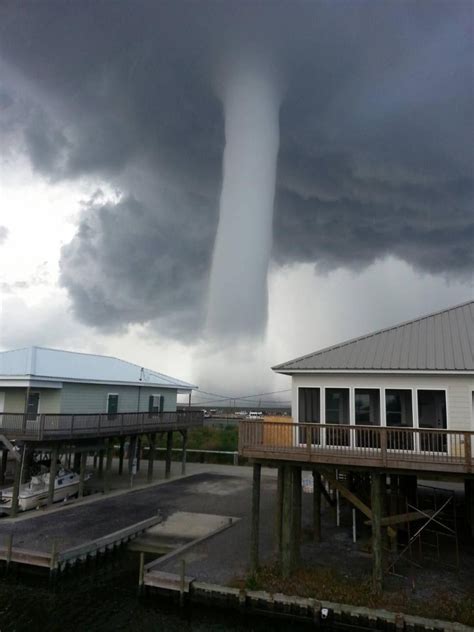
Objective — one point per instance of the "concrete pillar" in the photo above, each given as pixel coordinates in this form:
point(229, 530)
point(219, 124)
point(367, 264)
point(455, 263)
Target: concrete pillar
point(377, 558)
point(183, 454)
point(16, 484)
point(108, 464)
point(52, 473)
point(169, 447)
point(82, 473)
point(121, 455)
point(316, 506)
point(151, 456)
point(255, 526)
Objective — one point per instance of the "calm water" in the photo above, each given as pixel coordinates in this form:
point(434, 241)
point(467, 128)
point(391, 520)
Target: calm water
point(104, 597)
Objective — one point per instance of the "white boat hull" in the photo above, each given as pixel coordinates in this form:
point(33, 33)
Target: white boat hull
point(66, 486)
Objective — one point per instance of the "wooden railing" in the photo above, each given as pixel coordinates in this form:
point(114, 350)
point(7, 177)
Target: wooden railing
point(372, 446)
point(41, 427)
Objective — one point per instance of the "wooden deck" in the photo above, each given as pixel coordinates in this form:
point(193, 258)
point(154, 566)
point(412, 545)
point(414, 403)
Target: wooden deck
point(60, 427)
point(388, 448)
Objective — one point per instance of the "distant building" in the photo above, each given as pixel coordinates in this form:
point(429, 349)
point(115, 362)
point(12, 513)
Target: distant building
point(53, 381)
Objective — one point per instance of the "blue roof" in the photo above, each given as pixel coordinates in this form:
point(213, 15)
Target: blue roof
point(70, 366)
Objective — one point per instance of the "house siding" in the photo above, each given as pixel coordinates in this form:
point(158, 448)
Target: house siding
point(459, 390)
point(92, 398)
point(50, 400)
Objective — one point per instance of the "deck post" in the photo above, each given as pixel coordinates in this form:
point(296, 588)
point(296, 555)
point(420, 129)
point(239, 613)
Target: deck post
point(151, 456)
point(169, 447)
point(377, 562)
point(108, 464)
point(316, 506)
point(255, 528)
point(16, 484)
point(52, 473)
point(121, 455)
point(279, 510)
point(184, 434)
point(3, 467)
point(82, 473)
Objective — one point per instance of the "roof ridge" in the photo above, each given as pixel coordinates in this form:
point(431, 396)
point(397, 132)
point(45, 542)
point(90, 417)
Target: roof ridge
point(371, 334)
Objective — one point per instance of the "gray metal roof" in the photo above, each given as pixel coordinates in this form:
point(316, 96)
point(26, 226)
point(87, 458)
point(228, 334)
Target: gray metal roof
point(443, 341)
point(60, 365)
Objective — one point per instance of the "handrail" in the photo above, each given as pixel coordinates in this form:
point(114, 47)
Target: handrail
point(58, 425)
point(384, 446)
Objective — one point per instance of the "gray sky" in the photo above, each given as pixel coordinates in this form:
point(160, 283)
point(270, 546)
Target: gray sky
point(112, 135)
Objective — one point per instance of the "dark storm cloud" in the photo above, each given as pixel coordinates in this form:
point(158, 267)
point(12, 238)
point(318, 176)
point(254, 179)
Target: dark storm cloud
point(128, 264)
point(376, 152)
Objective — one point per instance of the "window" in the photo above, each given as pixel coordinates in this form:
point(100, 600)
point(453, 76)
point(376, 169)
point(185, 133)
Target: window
point(367, 407)
point(309, 407)
point(432, 416)
point(337, 405)
point(309, 412)
point(337, 413)
point(112, 405)
point(398, 407)
point(33, 405)
point(156, 404)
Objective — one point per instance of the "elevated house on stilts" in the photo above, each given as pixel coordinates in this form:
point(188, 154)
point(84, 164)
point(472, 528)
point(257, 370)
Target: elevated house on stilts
point(67, 404)
point(389, 408)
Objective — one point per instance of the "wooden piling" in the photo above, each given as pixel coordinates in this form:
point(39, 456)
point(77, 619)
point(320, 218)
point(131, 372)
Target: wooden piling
point(279, 510)
point(169, 447)
point(289, 553)
point(101, 464)
point(182, 582)
point(255, 527)
point(3, 466)
point(82, 473)
point(16, 484)
point(151, 456)
point(377, 559)
point(184, 434)
point(469, 503)
point(297, 508)
point(316, 506)
point(108, 464)
point(9, 549)
point(52, 473)
point(121, 455)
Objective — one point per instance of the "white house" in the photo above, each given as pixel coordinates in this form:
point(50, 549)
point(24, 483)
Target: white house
point(418, 374)
point(55, 381)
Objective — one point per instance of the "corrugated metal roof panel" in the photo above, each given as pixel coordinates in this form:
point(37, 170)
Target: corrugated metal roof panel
point(443, 341)
point(83, 367)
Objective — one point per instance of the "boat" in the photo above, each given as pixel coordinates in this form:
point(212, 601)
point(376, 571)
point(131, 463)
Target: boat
point(35, 493)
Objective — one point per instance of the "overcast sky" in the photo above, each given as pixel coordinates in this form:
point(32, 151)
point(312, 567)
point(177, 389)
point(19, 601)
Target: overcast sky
point(112, 137)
